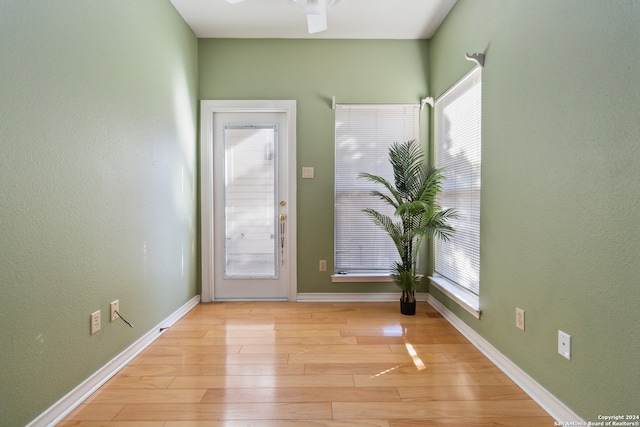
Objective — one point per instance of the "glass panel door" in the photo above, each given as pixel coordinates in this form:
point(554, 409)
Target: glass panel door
point(251, 240)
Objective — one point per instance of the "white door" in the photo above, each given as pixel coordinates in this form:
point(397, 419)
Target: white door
point(251, 223)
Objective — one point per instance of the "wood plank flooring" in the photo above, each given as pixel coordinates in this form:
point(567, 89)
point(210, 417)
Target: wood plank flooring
point(281, 364)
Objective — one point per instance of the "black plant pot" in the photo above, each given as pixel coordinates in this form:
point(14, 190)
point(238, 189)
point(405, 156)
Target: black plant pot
point(408, 308)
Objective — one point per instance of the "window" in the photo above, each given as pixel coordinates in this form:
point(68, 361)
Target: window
point(458, 142)
point(364, 134)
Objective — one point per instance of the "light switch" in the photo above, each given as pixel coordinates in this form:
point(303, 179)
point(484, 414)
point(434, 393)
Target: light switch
point(307, 172)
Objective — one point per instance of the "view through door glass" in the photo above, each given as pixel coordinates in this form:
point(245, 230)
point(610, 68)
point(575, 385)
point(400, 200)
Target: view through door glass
point(250, 192)
point(250, 225)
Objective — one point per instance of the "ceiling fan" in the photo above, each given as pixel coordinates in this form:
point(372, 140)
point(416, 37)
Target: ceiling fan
point(316, 11)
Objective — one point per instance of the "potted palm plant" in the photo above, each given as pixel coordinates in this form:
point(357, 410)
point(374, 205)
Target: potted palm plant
point(417, 216)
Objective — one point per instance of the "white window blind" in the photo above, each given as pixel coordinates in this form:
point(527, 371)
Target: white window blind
point(458, 142)
point(363, 136)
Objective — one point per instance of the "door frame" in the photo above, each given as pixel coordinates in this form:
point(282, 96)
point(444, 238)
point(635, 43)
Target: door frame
point(207, 110)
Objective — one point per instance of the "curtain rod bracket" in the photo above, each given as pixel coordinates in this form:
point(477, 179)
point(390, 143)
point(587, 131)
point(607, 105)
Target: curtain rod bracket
point(428, 100)
point(333, 102)
point(478, 58)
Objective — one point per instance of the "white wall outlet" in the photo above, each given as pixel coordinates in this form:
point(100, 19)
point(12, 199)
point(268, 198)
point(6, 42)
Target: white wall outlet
point(95, 322)
point(115, 307)
point(322, 265)
point(564, 344)
point(520, 318)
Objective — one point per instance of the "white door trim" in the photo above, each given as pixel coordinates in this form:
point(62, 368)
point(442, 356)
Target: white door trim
point(207, 110)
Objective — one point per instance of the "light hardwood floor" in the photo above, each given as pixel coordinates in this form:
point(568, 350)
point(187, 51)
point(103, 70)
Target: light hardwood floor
point(281, 364)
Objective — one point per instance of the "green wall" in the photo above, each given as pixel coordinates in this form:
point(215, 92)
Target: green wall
point(560, 192)
point(98, 181)
point(311, 72)
point(97, 186)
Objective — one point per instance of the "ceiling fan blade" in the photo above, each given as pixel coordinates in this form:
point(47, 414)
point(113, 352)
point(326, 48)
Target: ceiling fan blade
point(316, 11)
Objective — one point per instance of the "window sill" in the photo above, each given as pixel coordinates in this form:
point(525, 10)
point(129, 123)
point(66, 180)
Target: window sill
point(362, 277)
point(462, 297)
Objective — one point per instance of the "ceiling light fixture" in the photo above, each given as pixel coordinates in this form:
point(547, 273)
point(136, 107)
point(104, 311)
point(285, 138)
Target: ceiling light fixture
point(316, 11)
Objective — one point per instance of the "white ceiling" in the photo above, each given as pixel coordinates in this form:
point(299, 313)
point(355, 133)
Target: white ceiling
point(347, 19)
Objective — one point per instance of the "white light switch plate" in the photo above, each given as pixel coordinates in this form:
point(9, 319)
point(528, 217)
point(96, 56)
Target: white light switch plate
point(307, 172)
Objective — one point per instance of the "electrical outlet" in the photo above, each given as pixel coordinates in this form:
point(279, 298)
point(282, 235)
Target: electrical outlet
point(520, 318)
point(95, 322)
point(115, 307)
point(322, 265)
point(564, 344)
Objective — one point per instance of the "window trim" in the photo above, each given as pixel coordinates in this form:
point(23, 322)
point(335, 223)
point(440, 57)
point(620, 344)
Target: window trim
point(464, 297)
point(363, 275)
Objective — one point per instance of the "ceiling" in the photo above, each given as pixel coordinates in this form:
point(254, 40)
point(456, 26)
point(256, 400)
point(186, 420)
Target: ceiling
point(347, 19)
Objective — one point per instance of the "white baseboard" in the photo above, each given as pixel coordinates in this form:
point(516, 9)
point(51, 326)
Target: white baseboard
point(558, 410)
point(354, 297)
point(75, 397)
point(544, 398)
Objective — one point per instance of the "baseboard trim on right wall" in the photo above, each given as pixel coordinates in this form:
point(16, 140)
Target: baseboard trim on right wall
point(558, 410)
